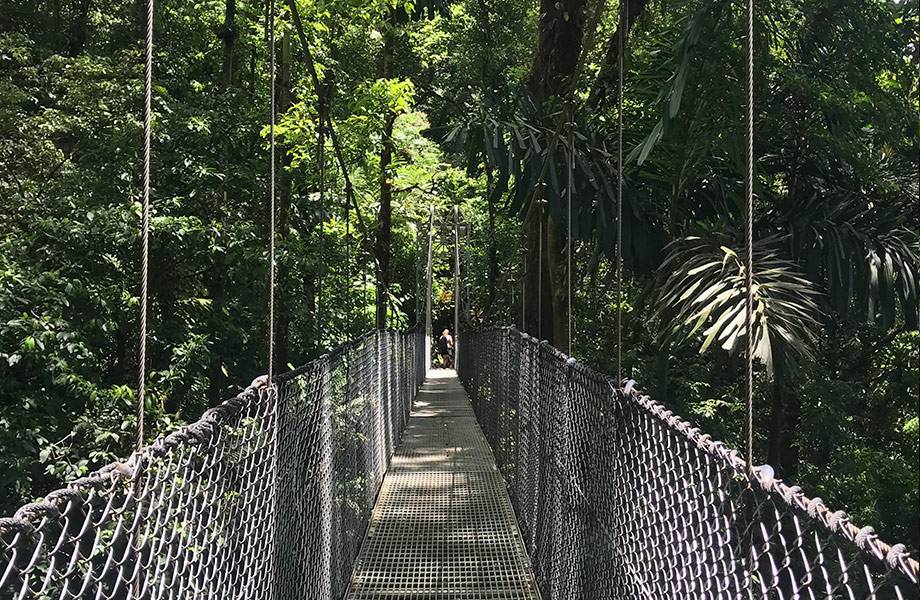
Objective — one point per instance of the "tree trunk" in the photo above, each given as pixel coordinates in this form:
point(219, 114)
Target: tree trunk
point(386, 182)
point(558, 50)
point(486, 87)
point(485, 58)
point(283, 325)
point(385, 221)
point(662, 373)
point(53, 22)
point(217, 281)
point(217, 284)
point(252, 74)
point(555, 242)
point(492, 280)
point(79, 26)
point(552, 75)
point(775, 440)
point(538, 317)
point(785, 415)
point(228, 34)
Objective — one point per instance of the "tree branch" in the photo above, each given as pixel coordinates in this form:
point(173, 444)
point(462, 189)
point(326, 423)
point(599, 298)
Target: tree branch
point(601, 90)
point(317, 85)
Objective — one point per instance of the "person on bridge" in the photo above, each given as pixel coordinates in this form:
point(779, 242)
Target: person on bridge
point(446, 349)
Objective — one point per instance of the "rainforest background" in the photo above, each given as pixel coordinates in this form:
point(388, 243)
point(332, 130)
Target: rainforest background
point(507, 109)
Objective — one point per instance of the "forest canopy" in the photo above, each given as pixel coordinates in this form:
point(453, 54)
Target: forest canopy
point(509, 110)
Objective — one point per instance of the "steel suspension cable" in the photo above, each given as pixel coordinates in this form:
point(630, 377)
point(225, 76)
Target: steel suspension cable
point(145, 228)
point(540, 269)
point(748, 289)
point(570, 245)
point(349, 302)
point(271, 201)
point(523, 286)
point(749, 240)
point(619, 246)
point(321, 159)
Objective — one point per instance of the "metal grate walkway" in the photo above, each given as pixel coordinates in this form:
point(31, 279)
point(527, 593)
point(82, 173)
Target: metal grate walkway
point(443, 527)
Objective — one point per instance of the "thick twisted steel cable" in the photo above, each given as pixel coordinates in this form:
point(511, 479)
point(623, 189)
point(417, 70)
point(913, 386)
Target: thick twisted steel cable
point(749, 241)
point(619, 248)
point(748, 285)
point(570, 246)
point(540, 270)
point(523, 286)
point(321, 159)
point(271, 201)
point(145, 228)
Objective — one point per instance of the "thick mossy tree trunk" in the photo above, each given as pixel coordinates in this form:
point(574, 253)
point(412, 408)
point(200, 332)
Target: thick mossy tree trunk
point(559, 45)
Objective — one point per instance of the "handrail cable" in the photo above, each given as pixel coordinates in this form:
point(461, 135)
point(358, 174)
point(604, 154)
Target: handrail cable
point(145, 228)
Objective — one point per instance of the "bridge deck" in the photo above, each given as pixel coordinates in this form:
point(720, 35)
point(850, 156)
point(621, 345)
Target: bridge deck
point(443, 527)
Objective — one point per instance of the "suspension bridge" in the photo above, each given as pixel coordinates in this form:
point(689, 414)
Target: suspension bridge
point(363, 475)
point(366, 475)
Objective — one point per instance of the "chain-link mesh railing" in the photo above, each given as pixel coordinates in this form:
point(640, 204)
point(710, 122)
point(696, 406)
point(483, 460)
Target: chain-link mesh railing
point(266, 496)
point(619, 498)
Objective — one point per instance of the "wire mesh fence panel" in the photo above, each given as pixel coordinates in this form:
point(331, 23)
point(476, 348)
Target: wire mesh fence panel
point(266, 496)
point(618, 498)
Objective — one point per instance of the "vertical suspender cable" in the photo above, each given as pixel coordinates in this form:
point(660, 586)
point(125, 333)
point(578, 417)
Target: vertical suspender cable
point(428, 269)
point(456, 282)
point(271, 200)
point(749, 281)
point(524, 288)
point(349, 303)
point(570, 245)
point(619, 246)
point(145, 228)
point(321, 159)
point(273, 564)
point(540, 270)
point(749, 240)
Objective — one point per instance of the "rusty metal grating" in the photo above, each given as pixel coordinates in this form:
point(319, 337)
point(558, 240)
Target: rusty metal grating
point(443, 527)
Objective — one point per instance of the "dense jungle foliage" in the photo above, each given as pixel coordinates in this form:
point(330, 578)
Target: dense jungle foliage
point(508, 109)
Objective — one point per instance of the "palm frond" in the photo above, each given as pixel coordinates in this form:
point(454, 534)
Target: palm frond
point(702, 297)
point(531, 161)
point(865, 259)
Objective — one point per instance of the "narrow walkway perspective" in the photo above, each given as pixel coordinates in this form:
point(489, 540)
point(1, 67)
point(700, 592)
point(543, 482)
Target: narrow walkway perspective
point(443, 527)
